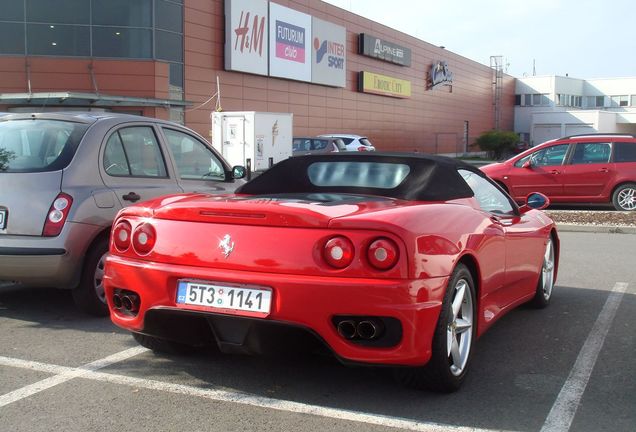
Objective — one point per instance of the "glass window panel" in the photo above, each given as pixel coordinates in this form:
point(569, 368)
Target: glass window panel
point(128, 13)
point(625, 152)
point(490, 199)
point(357, 174)
point(176, 74)
point(536, 99)
point(115, 162)
point(527, 99)
point(169, 16)
point(195, 160)
point(600, 101)
point(517, 99)
point(66, 40)
point(587, 153)
point(11, 38)
point(633, 101)
point(12, 10)
point(58, 11)
point(168, 46)
point(549, 156)
point(122, 42)
point(142, 152)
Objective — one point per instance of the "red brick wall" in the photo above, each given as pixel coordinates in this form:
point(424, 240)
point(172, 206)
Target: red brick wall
point(429, 120)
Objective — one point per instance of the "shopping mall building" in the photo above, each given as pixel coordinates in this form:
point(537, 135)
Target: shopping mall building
point(182, 59)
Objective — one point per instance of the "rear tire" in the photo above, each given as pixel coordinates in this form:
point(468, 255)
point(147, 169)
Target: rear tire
point(163, 346)
point(624, 197)
point(453, 339)
point(89, 295)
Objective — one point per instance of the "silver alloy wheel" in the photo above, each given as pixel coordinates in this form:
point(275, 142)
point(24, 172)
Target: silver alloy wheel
point(98, 280)
point(547, 270)
point(459, 332)
point(627, 198)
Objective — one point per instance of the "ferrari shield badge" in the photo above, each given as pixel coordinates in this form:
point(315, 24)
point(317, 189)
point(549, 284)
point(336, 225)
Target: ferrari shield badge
point(226, 245)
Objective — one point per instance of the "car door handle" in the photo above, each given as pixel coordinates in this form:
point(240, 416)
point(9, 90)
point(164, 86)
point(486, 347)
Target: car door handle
point(603, 170)
point(131, 196)
point(555, 172)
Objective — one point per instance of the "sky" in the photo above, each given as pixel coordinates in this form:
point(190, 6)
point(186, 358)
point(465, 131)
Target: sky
point(581, 38)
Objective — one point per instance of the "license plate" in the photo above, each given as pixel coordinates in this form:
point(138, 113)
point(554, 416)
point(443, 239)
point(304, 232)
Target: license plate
point(3, 218)
point(223, 298)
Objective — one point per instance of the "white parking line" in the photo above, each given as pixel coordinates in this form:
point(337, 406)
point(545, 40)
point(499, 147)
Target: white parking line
point(562, 413)
point(236, 397)
point(66, 375)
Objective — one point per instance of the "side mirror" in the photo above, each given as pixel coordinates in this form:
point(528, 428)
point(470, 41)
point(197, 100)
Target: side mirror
point(527, 164)
point(536, 201)
point(238, 172)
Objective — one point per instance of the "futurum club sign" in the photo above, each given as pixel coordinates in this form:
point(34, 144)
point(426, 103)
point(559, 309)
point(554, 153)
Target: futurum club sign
point(266, 38)
point(290, 42)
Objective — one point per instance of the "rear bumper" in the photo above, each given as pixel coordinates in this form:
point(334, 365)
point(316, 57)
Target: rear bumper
point(300, 302)
point(46, 261)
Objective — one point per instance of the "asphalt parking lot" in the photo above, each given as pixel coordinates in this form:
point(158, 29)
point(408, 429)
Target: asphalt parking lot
point(568, 367)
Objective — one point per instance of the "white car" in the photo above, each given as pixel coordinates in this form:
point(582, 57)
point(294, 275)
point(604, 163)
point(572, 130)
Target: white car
point(353, 142)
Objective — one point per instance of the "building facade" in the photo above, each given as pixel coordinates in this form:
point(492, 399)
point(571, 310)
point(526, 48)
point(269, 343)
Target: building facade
point(548, 107)
point(181, 60)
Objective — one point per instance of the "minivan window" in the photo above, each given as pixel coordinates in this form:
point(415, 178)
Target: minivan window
point(38, 145)
point(625, 152)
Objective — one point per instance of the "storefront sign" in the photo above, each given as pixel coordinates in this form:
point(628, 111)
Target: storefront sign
point(246, 48)
point(372, 46)
point(328, 54)
point(369, 82)
point(289, 40)
point(439, 75)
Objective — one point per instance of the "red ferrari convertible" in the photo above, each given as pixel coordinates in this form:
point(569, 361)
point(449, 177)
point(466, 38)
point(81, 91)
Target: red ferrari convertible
point(399, 260)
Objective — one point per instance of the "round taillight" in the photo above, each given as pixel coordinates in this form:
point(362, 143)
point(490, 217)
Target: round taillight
point(338, 252)
point(382, 253)
point(144, 238)
point(121, 235)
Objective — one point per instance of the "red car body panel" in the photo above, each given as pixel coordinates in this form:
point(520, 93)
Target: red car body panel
point(278, 244)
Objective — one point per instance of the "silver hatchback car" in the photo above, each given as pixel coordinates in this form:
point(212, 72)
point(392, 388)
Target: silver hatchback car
point(64, 177)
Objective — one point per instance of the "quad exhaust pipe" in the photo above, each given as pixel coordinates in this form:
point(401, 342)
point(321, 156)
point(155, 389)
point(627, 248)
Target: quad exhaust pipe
point(126, 301)
point(365, 329)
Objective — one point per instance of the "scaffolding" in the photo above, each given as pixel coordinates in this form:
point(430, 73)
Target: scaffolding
point(496, 64)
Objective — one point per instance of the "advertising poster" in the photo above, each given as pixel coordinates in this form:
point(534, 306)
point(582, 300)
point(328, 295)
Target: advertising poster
point(246, 48)
point(290, 43)
point(328, 53)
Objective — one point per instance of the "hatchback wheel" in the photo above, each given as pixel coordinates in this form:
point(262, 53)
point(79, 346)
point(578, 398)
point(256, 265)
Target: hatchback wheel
point(453, 339)
point(89, 296)
point(624, 197)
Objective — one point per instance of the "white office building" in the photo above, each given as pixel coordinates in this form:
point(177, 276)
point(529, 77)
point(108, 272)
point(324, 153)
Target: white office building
point(548, 107)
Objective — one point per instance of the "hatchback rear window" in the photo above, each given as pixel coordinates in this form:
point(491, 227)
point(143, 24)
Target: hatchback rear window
point(366, 142)
point(38, 145)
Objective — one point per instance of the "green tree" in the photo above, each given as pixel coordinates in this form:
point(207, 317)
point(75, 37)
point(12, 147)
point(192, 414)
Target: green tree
point(497, 143)
point(5, 155)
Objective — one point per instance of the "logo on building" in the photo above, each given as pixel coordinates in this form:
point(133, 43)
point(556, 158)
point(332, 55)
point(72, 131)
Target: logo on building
point(290, 42)
point(250, 34)
point(439, 75)
point(335, 51)
point(381, 49)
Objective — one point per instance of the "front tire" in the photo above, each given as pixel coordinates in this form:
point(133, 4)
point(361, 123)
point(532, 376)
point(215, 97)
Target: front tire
point(89, 295)
point(624, 197)
point(453, 339)
point(545, 285)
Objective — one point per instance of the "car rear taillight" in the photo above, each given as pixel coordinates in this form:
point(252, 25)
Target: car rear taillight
point(362, 148)
point(338, 252)
point(122, 234)
point(382, 253)
point(144, 238)
point(57, 214)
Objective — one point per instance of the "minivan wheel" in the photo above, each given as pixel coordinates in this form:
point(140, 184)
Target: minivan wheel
point(624, 197)
point(89, 295)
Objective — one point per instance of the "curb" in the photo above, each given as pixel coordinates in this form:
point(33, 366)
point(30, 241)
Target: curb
point(607, 229)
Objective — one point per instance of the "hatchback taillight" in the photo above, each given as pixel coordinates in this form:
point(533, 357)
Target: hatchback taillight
point(57, 214)
point(382, 253)
point(362, 148)
point(338, 252)
point(122, 234)
point(144, 238)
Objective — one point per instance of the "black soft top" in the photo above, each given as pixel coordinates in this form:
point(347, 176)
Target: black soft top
point(430, 178)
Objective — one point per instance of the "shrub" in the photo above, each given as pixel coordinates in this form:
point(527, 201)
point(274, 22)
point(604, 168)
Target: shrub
point(497, 143)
